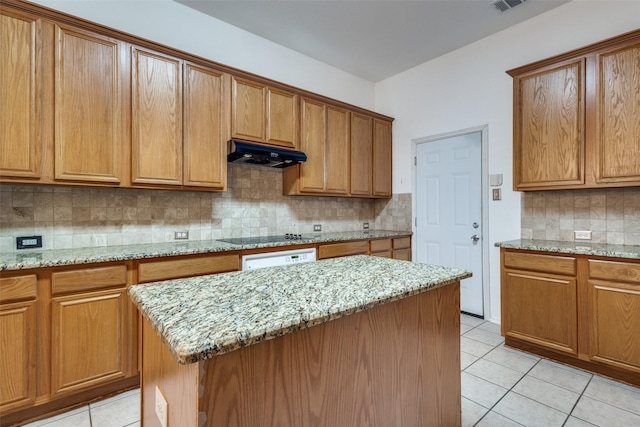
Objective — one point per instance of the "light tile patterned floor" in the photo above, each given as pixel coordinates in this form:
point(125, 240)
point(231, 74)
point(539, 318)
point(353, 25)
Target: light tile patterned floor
point(500, 387)
point(506, 387)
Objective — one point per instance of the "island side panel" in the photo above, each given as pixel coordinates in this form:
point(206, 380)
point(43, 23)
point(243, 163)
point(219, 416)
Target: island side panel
point(395, 364)
point(177, 383)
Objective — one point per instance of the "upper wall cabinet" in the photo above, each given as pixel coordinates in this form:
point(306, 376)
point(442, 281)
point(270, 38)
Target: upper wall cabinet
point(361, 154)
point(381, 158)
point(577, 118)
point(89, 106)
point(156, 125)
point(83, 104)
point(179, 122)
point(617, 139)
point(264, 114)
point(325, 141)
point(20, 103)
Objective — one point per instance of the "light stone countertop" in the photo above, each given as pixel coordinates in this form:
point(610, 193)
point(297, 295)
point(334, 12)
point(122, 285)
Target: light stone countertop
point(24, 259)
point(201, 317)
point(574, 248)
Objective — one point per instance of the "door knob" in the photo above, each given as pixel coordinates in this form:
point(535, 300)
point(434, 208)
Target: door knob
point(475, 238)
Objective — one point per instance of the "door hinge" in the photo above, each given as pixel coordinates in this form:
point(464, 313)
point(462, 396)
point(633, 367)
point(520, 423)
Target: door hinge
point(415, 221)
point(415, 161)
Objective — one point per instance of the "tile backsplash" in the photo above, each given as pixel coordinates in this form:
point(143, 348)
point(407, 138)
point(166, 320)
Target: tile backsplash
point(72, 217)
point(612, 215)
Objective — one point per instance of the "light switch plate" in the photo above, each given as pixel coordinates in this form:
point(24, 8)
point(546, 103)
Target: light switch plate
point(497, 194)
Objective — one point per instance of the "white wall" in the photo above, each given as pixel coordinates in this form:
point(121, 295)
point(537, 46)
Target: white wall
point(469, 87)
point(180, 27)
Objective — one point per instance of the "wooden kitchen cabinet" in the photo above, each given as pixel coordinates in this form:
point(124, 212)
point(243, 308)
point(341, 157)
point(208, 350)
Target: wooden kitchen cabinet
point(380, 247)
point(156, 126)
point(381, 169)
point(206, 127)
point(90, 73)
point(21, 100)
point(17, 341)
point(264, 114)
point(401, 248)
point(333, 250)
point(90, 327)
point(579, 310)
point(549, 130)
point(361, 155)
point(612, 296)
point(186, 266)
point(575, 118)
point(539, 302)
point(325, 141)
point(617, 143)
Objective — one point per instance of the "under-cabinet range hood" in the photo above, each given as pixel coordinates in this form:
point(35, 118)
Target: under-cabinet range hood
point(262, 155)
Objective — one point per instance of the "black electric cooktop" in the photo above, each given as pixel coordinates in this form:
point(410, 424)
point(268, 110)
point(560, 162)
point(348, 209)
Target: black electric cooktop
point(262, 239)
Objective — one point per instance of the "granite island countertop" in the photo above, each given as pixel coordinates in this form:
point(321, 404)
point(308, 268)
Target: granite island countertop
point(201, 317)
point(574, 248)
point(24, 259)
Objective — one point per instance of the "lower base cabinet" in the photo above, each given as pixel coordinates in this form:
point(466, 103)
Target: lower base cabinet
point(579, 310)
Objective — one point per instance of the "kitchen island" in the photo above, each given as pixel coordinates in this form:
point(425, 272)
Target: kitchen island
point(348, 341)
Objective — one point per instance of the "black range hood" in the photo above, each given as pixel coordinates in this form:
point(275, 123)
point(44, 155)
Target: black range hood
point(262, 155)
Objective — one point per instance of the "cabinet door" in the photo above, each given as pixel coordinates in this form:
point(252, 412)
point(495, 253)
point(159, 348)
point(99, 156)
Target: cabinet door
point(88, 107)
point(613, 318)
point(20, 143)
point(88, 339)
point(549, 127)
point(248, 110)
point(541, 309)
point(282, 118)
point(157, 119)
point(313, 144)
point(381, 158)
point(337, 161)
point(361, 154)
point(17, 360)
point(206, 127)
point(618, 101)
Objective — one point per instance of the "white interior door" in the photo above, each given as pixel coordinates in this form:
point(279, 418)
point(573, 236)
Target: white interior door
point(449, 210)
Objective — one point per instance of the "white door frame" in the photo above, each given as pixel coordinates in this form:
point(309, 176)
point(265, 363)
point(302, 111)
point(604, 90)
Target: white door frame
point(483, 129)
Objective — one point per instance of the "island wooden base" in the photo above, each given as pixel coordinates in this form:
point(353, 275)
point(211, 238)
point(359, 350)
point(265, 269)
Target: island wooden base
point(396, 364)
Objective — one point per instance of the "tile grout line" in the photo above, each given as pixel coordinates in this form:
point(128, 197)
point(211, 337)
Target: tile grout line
point(578, 400)
point(499, 400)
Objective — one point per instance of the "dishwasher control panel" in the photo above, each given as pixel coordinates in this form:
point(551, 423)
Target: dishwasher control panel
point(272, 259)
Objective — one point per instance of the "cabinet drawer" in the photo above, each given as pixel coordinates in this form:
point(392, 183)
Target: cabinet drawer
point(617, 271)
point(380, 245)
point(184, 267)
point(544, 263)
point(333, 250)
point(17, 288)
point(86, 279)
point(402, 243)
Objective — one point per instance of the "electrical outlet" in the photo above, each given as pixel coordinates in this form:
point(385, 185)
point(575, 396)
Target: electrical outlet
point(28, 242)
point(317, 227)
point(365, 225)
point(181, 235)
point(161, 407)
point(582, 235)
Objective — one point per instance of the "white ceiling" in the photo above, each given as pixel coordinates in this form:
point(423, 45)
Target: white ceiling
point(371, 39)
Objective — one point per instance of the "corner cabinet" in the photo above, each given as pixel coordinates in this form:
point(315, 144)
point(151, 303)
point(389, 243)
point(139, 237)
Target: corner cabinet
point(579, 310)
point(575, 122)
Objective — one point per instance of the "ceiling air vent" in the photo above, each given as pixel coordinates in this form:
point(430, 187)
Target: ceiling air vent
point(504, 5)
